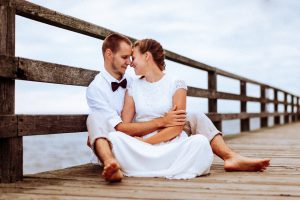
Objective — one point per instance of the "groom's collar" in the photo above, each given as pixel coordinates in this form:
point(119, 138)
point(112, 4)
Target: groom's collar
point(109, 78)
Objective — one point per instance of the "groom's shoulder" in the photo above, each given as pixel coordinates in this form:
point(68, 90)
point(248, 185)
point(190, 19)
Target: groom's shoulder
point(98, 79)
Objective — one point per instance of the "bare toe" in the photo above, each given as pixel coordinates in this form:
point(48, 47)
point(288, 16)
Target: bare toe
point(110, 169)
point(117, 176)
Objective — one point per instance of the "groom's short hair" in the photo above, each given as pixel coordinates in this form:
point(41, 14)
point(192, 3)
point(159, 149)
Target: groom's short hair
point(113, 41)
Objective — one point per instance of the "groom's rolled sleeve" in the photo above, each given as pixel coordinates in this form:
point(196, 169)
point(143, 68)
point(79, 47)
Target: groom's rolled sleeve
point(102, 118)
point(114, 121)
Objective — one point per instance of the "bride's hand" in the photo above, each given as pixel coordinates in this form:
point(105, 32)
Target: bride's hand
point(174, 117)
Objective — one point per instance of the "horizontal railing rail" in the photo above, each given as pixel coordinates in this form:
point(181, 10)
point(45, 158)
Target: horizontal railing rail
point(27, 125)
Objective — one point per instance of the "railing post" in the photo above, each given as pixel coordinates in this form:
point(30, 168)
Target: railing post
point(286, 114)
point(245, 123)
point(293, 105)
point(276, 118)
point(11, 149)
point(263, 120)
point(298, 109)
point(213, 102)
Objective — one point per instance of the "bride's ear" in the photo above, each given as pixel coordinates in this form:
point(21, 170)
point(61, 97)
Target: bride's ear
point(147, 55)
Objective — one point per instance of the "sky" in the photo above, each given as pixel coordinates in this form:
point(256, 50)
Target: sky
point(256, 39)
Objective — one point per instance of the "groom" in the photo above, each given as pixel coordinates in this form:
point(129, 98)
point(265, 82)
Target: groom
point(105, 97)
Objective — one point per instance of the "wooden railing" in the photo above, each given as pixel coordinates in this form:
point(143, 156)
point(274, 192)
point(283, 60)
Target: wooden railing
point(13, 127)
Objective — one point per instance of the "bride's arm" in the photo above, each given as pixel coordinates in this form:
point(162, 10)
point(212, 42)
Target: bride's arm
point(172, 118)
point(128, 110)
point(166, 134)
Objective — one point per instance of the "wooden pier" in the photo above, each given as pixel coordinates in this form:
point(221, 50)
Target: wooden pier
point(280, 143)
point(280, 181)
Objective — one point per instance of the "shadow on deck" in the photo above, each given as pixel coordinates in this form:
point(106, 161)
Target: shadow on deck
point(280, 181)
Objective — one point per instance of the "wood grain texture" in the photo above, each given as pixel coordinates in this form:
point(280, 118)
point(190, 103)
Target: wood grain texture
point(245, 123)
point(26, 125)
point(280, 181)
point(34, 70)
point(11, 149)
point(8, 126)
point(50, 124)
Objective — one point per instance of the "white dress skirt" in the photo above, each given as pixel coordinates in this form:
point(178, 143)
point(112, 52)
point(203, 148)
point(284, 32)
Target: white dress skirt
point(180, 158)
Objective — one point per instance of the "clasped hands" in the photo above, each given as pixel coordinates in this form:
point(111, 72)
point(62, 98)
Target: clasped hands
point(172, 118)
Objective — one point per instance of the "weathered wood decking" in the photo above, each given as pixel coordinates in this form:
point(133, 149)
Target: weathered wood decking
point(280, 181)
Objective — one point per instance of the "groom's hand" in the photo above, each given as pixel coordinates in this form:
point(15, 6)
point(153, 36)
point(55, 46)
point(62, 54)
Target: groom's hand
point(174, 117)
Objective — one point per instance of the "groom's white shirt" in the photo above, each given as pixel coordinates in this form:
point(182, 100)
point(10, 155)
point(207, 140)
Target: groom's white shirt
point(101, 98)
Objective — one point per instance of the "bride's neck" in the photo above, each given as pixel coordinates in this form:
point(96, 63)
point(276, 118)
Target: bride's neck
point(154, 75)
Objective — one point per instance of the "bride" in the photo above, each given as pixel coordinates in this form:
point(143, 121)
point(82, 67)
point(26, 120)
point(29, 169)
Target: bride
point(168, 152)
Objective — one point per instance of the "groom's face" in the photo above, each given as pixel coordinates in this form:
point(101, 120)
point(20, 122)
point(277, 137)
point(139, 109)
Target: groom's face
point(121, 59)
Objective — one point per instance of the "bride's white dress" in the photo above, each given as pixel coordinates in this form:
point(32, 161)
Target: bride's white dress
point(181, 158)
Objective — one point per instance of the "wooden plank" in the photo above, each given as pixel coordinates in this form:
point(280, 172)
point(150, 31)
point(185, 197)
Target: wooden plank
point(8, 67)
point(286, 117)
point(7, 96)
point(213, 103)
point(298, 108)
point(280, 181)
point(7, 28)
point(198, 92)
point(230, 116)
point(244, 98)
point(50, 124)
point(276, 118)
point(245, 123)
point(276, 101)
point(27, 125)
point(11, 149)
point(34, 70)
point(56, 124)
point(8, 126)
point(263, 106)
point(293, 108)
point(204, 93)
point(11, 159)
point(47, 16)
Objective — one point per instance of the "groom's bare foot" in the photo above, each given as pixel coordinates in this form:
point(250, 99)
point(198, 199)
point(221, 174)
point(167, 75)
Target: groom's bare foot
point(240, 163)
point(111, 171)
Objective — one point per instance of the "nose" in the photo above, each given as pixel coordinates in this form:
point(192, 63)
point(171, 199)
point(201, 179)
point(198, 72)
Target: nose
point(132, 64)
point(128, 61)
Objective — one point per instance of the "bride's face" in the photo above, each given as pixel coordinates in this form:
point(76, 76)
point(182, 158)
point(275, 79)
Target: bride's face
point(138, 61)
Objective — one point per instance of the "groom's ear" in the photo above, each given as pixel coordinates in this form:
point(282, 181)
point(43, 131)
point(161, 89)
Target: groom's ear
point(108, 53)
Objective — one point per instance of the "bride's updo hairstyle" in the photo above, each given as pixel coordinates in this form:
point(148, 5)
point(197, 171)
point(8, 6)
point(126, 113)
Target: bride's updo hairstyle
point(155, 49)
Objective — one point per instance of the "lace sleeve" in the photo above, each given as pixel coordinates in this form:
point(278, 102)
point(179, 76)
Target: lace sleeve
point(180, 84)
point(130, 89)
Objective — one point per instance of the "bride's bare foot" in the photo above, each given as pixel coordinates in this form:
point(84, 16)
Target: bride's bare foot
point(111, 171)
point(240, 163)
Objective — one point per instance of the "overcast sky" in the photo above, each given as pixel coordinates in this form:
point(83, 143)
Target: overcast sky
point(257, 39)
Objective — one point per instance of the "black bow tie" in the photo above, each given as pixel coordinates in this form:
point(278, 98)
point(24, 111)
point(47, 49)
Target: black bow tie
point(115, 85)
